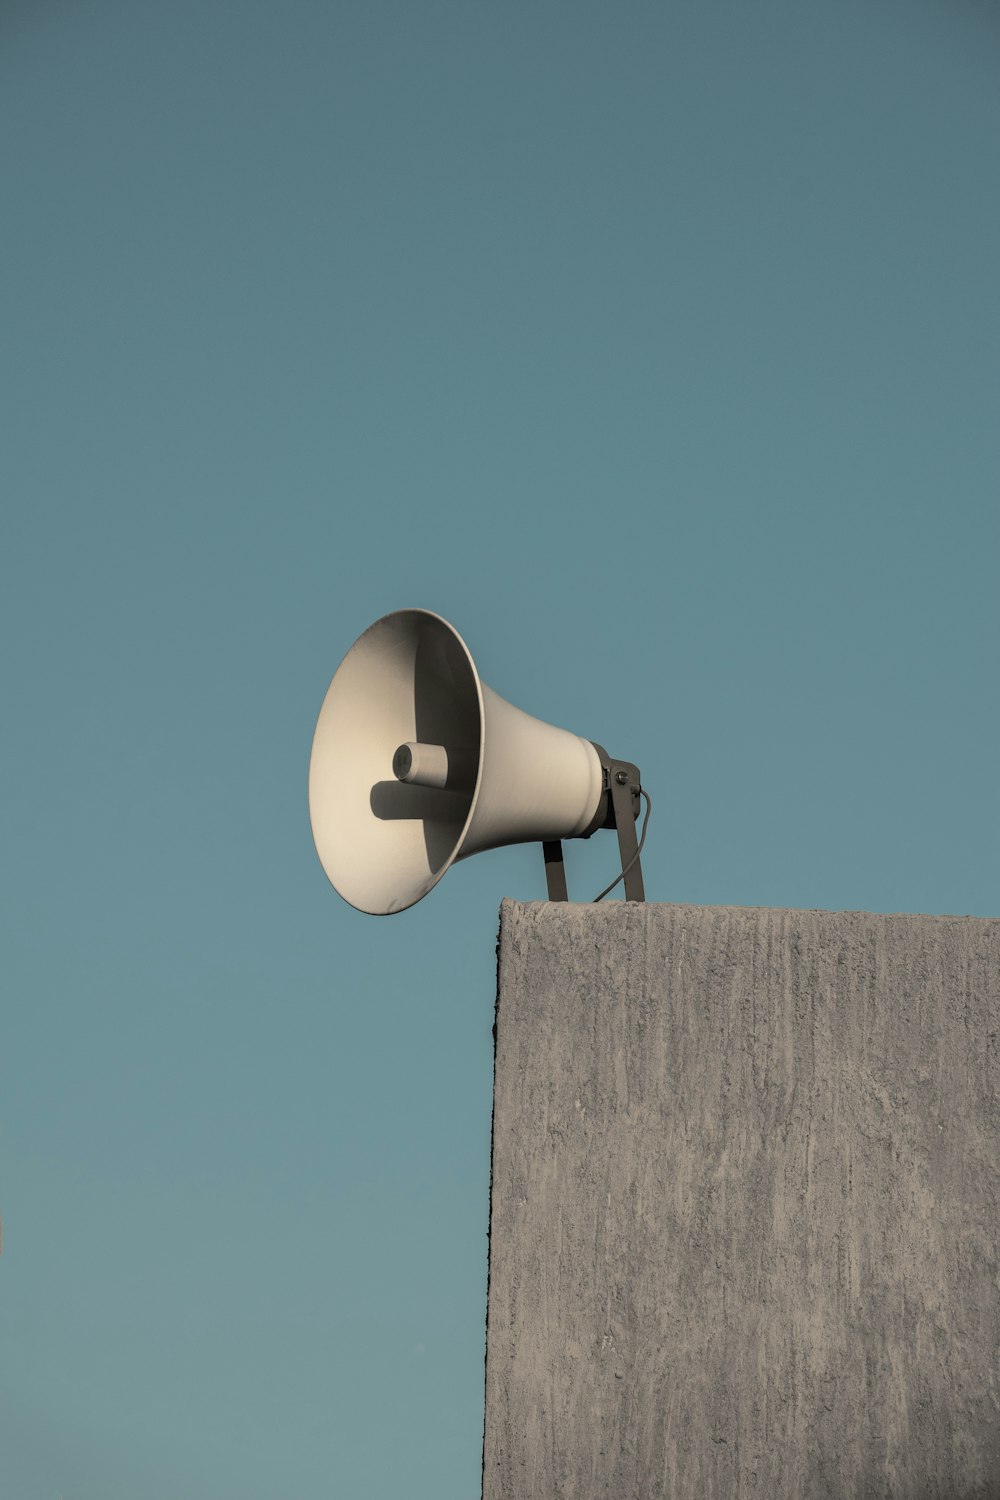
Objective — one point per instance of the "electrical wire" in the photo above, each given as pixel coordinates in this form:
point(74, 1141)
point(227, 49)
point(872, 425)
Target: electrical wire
point(642, 840)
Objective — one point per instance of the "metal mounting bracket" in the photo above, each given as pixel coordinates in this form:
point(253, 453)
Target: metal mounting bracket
point(624, 790)
point(618, 808)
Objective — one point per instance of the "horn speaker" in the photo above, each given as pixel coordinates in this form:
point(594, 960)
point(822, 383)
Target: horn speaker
point(416, 763)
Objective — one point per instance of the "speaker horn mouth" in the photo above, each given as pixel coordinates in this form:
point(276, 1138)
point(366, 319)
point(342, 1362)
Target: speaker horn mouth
point(404, 710)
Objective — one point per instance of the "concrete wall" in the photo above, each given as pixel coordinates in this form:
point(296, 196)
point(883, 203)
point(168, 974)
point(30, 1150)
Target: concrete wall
point(745, 1205)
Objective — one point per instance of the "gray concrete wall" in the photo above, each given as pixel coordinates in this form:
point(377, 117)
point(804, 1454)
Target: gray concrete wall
point(745, 1205)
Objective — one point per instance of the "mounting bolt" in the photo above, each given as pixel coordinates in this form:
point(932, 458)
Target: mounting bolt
point(621, 777)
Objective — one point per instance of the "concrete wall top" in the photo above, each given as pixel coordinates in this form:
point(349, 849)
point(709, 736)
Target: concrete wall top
point(745, 1204)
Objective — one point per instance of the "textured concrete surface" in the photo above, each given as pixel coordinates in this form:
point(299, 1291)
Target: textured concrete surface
point(745, 1206)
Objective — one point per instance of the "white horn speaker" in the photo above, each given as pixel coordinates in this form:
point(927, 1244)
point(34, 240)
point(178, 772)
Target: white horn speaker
point(417, 763)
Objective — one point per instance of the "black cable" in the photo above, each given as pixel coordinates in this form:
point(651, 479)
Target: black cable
point(642, 840)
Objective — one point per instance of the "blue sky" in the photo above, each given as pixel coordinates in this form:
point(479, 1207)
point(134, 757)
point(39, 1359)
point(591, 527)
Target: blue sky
point(655, 346)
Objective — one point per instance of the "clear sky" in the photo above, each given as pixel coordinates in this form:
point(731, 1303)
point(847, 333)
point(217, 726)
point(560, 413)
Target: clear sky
point(657, 346)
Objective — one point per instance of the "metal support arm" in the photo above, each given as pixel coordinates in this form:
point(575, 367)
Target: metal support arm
point(555, 871)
